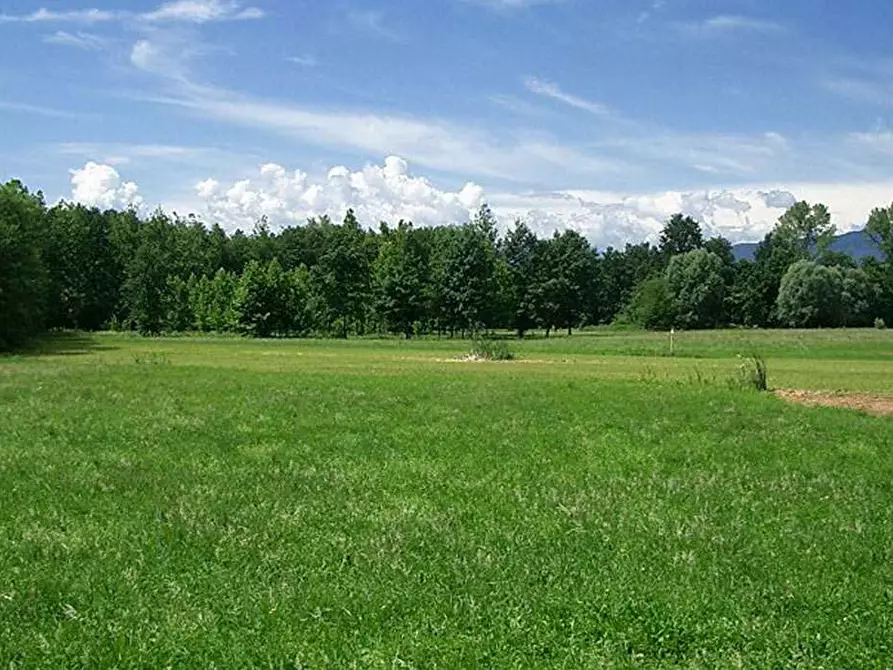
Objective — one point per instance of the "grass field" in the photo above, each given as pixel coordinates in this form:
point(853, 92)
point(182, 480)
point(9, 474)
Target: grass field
point(225, 503)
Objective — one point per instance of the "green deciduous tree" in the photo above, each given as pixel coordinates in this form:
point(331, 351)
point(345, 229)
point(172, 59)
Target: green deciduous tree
point(342, 278)
point(566, 280)
point(652, 305)
point(402, 279)
point(680, 235)
point(697, 288)
point(811, 296)
point(468, 276)
point(24, 280)
point(806, 230)
point(860, 297)
point(520, 249)
point(85, 276)
point(880, 230)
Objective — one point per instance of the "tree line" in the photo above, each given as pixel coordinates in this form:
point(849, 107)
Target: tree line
point(68, 266)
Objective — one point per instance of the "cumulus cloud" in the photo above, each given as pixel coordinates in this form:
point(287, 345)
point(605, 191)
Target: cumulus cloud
point(97, 185)
point(390, 192)
point(376, 193)
point(608, 219)
point(739, 214)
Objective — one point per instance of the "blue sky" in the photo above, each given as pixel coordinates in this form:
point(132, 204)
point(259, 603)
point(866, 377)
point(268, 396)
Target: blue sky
point(602, 116)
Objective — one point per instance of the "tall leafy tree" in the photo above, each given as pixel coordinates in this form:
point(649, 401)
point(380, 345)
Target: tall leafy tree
point(680, 235)
point(697, 288)
point(806, 230)
point(880, 230)
point(258, 302)
point(861, 297)
point(402, 279)
point(24, 280)
point(566, 280)
point(621, 272)
point(178, 316)
point(468, 269)
point(85, 276)
point(520, 249)
point(811, 296)
point(652, 305)
point(152, 263)
point(342, 277)
point(746, 304)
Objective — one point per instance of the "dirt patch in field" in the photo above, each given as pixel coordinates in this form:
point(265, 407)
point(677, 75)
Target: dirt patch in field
point(869, 404)
point(472, 358)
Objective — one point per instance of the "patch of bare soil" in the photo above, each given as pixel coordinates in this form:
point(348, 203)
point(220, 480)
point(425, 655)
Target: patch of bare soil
point(861, 402)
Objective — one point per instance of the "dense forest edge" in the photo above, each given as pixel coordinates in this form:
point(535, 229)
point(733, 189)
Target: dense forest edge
point(68, 266)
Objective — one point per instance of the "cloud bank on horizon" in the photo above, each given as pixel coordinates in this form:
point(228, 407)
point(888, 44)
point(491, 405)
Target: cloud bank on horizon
point(206, 106)
point(389, 192)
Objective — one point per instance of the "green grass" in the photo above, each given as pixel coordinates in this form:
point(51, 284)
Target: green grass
point(201, 502)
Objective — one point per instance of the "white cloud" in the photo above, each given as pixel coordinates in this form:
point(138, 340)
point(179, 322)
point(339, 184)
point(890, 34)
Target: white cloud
point(144, 55)
point(116, 153)
point(730, 23)
point(303, 61)
point(730, 155)
point(202, 11)
point(608, 219)
point(390, 192)
point(373, 23)
point(739, 214)
point(554, 92)
point(376, 193)
point(512, 4)
point(166, 55)
point(100, 186)
point(184, 11)
point(51, 16)
point(78, 40)
point(433, 143)
point(878, 91)
point(880, 141)
point(39, 110)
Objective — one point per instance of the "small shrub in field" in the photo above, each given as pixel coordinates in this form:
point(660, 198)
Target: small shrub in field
point(752, 373)
point(880, 324)
point(491, 350)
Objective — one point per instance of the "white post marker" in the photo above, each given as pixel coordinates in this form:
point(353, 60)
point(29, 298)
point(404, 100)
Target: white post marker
point(672, 341)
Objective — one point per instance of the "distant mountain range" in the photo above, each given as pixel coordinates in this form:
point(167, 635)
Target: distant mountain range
point(856, 243)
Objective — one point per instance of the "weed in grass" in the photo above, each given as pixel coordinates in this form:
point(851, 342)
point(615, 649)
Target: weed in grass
point(752, 373)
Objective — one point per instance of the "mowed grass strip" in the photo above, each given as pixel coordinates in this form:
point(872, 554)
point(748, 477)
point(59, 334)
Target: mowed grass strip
point(186, 507)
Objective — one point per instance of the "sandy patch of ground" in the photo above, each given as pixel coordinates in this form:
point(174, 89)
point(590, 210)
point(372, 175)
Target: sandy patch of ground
point(472, 358)
point(862, 402)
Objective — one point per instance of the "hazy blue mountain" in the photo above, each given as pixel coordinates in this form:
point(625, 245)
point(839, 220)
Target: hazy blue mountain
point(856, 243)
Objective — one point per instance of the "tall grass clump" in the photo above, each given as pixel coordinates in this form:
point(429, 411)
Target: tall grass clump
point(491, 349)
point(752, 373)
